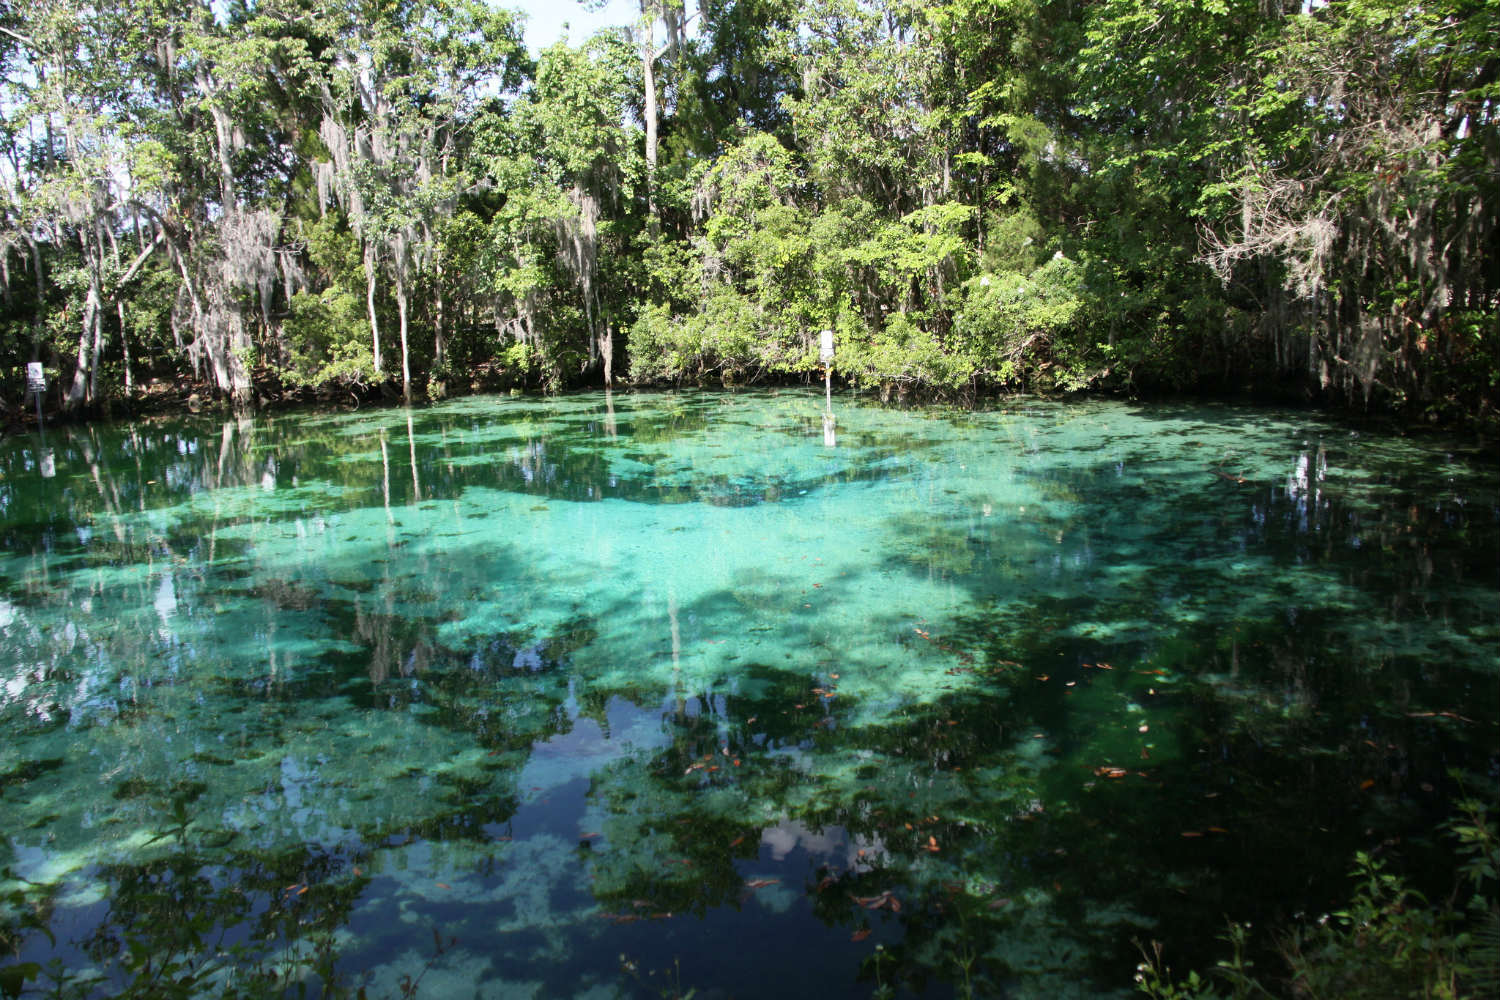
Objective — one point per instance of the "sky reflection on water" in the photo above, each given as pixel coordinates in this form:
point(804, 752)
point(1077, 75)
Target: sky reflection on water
point(505, 689)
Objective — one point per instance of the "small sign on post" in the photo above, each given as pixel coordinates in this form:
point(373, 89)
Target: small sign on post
point(36, 384)
point(825, 347)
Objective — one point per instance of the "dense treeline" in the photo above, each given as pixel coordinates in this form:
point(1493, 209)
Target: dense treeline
point(274, 195)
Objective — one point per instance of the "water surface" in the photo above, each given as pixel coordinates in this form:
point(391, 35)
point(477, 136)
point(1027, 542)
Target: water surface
point(610, 696)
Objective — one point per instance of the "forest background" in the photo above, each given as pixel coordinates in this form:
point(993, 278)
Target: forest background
point(306, 199)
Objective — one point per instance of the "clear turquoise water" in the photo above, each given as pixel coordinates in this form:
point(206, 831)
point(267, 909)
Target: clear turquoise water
point(576, 697)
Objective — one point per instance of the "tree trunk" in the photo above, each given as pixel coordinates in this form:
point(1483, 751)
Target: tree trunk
point(370, 305)
point(648, 70)
point(401, 311)
point(439, 334)
point(125, 348)
point(85, 387)
point(81, 392)
point(607, 353)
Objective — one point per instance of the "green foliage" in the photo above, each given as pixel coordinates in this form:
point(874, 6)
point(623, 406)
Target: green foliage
point(1390, 941)
point(1244, 196)
point(327, 340)
point(1027, 322)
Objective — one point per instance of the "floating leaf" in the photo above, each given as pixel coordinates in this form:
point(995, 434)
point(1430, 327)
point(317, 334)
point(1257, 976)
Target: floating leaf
point(860, 934)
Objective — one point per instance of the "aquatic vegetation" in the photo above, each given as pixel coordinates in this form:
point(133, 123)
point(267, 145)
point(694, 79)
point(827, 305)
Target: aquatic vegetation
point(482, 697)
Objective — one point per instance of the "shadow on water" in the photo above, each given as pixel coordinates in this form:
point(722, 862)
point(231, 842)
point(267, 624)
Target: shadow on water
point(389, 703)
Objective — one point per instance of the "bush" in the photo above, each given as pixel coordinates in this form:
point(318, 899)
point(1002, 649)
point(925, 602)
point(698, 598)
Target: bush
point(1390, 941)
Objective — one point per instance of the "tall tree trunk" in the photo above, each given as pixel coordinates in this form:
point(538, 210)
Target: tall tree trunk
point(439, 333)
point(650, 9)
point(84, 389)
point(401, 312)
point(81, 391)
point(125, 348)
point(370, 305)
point(607, 353)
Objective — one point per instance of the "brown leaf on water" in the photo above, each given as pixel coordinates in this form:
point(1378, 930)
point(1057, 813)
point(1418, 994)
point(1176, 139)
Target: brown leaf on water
point(1217, 829)
point(1367, 784)
point(737, 841)
point(443, 885)
point(1192, 833)
point(860, 934)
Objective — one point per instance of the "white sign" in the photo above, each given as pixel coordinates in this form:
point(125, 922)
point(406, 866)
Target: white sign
point(825, 352)
point(36, 379)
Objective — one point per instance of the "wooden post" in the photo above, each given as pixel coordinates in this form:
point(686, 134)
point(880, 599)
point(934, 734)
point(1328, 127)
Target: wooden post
point(825, 353)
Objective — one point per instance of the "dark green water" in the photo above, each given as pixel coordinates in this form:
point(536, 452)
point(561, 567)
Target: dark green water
point(587, 697)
